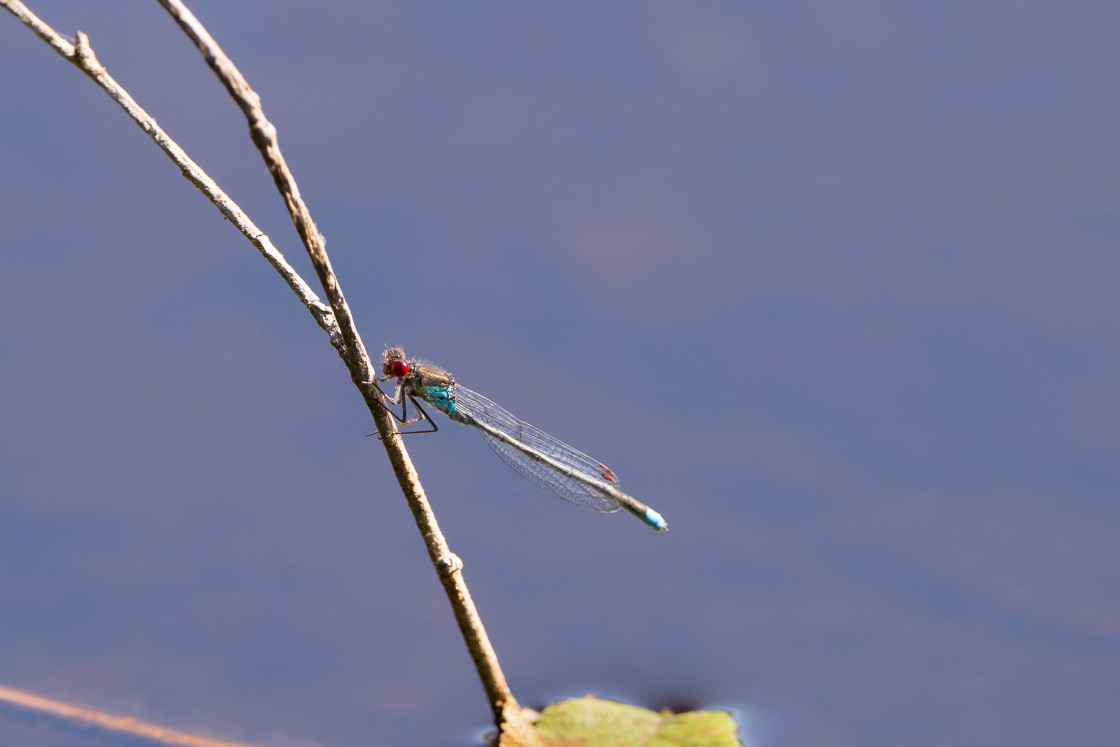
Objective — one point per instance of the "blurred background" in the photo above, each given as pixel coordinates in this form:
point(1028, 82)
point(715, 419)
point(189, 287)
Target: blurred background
point(833, 288)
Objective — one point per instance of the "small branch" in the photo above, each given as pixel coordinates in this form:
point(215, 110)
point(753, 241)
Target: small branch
point(448, 565)
point(362, 372)
point(336, 319)
point(82, 55)
point(263, 134)
point(101, 720)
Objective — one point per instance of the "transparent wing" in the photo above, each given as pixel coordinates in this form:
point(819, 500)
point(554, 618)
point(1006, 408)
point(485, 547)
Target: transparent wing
point(482, 409)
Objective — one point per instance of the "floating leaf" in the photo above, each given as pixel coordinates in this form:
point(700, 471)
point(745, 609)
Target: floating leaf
point(590, 722)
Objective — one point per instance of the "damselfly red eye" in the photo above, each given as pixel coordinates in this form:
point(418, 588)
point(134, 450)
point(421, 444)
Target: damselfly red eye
point(398, 368)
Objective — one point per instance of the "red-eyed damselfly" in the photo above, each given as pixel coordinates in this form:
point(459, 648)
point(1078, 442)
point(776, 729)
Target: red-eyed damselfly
point(543, 460)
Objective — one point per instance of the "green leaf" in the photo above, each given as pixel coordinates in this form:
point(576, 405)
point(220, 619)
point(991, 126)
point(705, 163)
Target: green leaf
point(589, 722)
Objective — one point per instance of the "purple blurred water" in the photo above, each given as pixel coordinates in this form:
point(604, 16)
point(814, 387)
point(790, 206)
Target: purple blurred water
point(833, 289)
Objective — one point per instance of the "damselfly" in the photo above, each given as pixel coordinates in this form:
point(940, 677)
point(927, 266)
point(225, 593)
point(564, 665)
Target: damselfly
point(540, 458)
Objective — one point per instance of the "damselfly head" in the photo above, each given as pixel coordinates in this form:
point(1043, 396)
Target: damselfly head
point(393, 363)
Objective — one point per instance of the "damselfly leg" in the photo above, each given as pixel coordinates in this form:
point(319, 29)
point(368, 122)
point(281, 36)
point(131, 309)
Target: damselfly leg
point(423, 416)
point(402, 398)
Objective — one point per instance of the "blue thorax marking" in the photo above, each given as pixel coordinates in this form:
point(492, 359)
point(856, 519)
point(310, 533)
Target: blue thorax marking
point(443, 399)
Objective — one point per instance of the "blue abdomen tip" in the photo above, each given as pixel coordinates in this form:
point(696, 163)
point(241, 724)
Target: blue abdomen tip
point(654, 520)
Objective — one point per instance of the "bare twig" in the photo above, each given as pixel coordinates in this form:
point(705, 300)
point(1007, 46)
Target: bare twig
point(447, 564)
point(81, 54)
point(336, 319)
point(263, 134)
point(99, 719)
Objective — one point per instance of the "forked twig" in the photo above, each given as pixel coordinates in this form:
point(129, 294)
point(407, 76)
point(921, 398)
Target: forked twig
point(81, 54)
point(335, 319)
